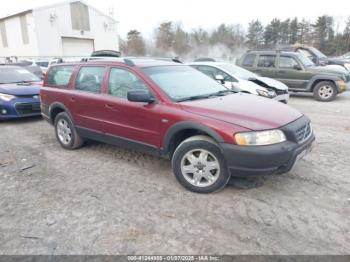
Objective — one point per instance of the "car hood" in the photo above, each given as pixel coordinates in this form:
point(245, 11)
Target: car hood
point(340, 60)
point(249, 111)
point(248, 86)
point(270, 83)
point(20, 89)
point(326, 70)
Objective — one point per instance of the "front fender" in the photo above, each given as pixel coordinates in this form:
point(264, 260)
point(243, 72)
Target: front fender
point(180, 126)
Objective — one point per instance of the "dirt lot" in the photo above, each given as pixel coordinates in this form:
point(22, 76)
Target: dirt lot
point(105, 200)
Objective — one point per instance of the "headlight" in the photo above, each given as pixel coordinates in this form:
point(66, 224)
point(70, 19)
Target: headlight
point(260, 138)
point(266, 93)
point(347, 66)
point(6, 97)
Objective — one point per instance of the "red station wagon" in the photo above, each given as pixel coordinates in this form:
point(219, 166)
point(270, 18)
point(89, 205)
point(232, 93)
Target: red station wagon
point(169, 109)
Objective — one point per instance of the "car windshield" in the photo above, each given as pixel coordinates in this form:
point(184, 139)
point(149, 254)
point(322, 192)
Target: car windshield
point(318, 53)
point(16, 75)
point(307, 62)
point(183, 82)
point(238, 71)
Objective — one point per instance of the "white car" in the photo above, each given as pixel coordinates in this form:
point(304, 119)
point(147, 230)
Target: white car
point(238, 78)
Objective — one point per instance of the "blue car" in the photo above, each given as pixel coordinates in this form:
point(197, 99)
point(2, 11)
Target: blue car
point(19, 93)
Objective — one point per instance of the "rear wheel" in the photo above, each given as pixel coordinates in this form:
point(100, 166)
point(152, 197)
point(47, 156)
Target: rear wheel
point(325, 91)
point(66, 134)
point(199, 165)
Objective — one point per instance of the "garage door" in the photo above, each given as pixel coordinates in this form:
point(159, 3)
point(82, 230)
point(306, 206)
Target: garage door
point(77, 46)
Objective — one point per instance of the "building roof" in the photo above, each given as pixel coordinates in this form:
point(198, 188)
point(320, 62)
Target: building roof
point(54, 5)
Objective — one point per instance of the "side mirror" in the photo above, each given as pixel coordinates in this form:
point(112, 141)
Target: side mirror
point(140, 96)
point(220, 78)
point(297, 67)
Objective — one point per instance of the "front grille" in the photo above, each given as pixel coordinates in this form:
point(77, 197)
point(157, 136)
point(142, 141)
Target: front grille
point(303, 133)
point(281, 92)
point(28, 108)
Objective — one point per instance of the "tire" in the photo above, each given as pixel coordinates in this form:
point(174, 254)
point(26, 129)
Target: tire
point(325, 91)
point(203, 179)
point(66, 133)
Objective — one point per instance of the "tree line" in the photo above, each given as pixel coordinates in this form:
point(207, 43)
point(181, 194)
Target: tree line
point(226, 41)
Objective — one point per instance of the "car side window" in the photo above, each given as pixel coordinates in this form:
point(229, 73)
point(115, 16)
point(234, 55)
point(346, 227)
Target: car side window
point(249, 60)
point(59, 75)
point(213, 72)
point(122, 81)
point(90, 79)
point(267, 61)
point(287, 62)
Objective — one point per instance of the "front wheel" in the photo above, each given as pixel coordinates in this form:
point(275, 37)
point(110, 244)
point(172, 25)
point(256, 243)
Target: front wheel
point(325, 91)
point(199, 165)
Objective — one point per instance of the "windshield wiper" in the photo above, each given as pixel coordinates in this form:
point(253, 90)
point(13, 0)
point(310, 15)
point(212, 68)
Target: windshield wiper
point(219, 93)
point(191, 98)
point(222, 92)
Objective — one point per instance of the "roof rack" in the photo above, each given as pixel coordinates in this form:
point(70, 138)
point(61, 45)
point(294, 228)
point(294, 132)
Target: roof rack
point(266, 49)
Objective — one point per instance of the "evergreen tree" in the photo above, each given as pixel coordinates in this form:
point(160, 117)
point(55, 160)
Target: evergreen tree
point(255, 36)
point(135, 44)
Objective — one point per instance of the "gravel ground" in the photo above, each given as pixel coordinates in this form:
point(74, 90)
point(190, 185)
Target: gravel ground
point(105, 200)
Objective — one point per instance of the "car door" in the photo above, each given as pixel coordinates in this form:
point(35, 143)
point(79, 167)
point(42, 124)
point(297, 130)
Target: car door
point(85, 101)
point(130, 121)
point(291, 72)
point(266, 65)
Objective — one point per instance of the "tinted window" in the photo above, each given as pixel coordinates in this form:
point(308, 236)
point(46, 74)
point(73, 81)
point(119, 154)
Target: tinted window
point(249, 60)
point(213, 72)
point(16, 75)
point(122, 81)
point(90, 79)
point(180, 82)
point(60, 75)
point(287, 62)
point(267, 61)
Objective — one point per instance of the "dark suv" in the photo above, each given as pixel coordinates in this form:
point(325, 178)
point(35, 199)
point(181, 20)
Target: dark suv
point(318, 57)
point(172, 110)
point(298, 72)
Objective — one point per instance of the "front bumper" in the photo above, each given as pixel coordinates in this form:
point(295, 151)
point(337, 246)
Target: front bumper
point(267, 160)
point(18, 108)
point(282, 98)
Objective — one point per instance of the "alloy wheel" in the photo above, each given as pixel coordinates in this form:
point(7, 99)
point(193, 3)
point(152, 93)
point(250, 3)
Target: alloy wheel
point(200, 168)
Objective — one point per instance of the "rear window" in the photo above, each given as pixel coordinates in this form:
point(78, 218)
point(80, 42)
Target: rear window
point(249, 60)
point(59, 75)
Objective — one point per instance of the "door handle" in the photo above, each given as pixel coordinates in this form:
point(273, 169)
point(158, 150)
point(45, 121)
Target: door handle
point(281, 71)
point(72, 99)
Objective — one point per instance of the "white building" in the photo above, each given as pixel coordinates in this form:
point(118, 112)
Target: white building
point(71, 28)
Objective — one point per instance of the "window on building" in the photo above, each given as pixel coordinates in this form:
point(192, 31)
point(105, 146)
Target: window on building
point(122, 81)
point(24, 29)
point(3, 34)
point(249, 60)
point(80, 16)
point(267, 61)
point(90, 79)
point(60, 75)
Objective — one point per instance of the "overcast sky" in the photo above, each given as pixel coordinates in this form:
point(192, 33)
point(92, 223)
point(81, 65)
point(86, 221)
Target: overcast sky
point(145, 15)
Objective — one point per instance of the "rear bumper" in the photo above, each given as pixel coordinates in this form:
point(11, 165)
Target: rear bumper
point(264, 160)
